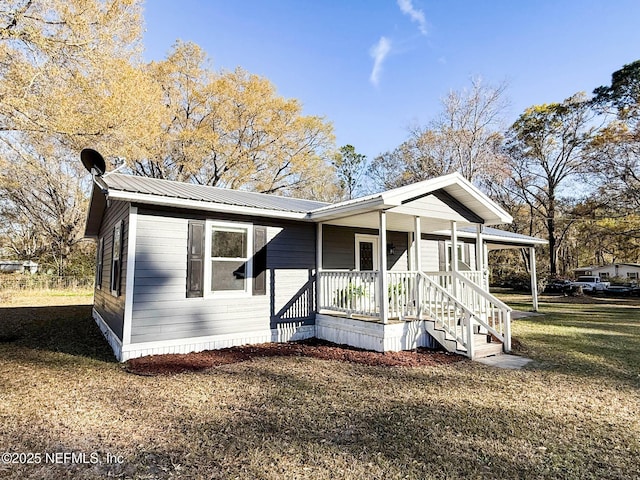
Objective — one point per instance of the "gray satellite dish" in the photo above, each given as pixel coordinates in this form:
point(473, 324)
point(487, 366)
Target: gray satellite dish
point(93, 161)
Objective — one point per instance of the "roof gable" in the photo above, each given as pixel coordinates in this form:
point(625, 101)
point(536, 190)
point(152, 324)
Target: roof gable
point(453, 189)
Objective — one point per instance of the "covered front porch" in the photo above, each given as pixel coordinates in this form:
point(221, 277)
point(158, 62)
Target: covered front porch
point(398, 270)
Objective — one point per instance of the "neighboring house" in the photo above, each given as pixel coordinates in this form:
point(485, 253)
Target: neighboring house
point(627, 271)
point(18, 266)
point(183, 267)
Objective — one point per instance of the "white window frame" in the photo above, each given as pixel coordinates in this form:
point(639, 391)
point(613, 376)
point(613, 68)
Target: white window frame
point(210, 226)
point(632, 275)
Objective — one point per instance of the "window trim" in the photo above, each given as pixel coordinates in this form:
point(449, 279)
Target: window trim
point(210, 226)
point(115, 280)
point(367, 238)
point(100, 263)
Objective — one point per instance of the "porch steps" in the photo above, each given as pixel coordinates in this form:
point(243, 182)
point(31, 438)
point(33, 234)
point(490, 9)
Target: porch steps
point(484, 345)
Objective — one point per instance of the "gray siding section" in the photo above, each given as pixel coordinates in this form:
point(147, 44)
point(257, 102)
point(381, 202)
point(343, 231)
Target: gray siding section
point(161, 310)
point(111, 308)
point(339, 248)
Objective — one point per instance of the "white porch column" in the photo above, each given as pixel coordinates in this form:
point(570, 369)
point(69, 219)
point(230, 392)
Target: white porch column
point(454, 258)
point(479, 248)
point(382, 252)
point(486, 265)
point(318, 266)
point(417, 239)
point(534, 279)
point(417, 245)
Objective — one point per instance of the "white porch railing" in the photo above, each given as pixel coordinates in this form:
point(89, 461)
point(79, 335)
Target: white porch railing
point(452, 299)
point(351, 292)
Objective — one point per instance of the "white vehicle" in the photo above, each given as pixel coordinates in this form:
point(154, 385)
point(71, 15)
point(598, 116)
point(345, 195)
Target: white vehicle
point(590, 283)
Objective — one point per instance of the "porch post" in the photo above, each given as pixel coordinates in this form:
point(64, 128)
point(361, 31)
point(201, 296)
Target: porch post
point(382, 252)
point(534, 279)
point(417, 239)
point(479, 248)
point(454, 259)
point(318, 266)
point(486, 265)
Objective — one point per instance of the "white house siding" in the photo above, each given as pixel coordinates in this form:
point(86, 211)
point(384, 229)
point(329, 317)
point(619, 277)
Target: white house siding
point(429, 255)
point(109, 307)
point(161, 312)
point(618, 270)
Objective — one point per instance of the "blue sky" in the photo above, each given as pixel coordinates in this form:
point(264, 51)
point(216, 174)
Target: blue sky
point(374, 68)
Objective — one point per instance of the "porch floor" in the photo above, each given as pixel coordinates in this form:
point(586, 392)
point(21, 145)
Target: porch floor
point(364, 318)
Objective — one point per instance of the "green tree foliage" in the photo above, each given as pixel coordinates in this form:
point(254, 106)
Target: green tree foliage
point(546, 148)
point(349, 167)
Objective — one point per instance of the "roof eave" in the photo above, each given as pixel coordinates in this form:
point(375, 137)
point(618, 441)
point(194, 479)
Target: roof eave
point(333, 212)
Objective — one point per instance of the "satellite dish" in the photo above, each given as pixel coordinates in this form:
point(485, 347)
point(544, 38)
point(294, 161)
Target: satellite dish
point(93, 161)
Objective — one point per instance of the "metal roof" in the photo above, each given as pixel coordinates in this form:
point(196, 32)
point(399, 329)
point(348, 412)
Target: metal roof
point(203, 193)
point(504, 234)
point(188, 195)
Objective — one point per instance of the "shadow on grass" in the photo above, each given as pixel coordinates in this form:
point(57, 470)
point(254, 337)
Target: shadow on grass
point(64, 329)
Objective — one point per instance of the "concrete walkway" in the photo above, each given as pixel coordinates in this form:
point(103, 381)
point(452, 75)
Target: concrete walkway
point(520, 314)
point(513, 362)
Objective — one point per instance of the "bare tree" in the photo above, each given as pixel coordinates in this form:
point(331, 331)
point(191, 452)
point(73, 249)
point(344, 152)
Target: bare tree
point(465, 137)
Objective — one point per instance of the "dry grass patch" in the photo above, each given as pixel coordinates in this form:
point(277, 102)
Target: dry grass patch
point(308, 418)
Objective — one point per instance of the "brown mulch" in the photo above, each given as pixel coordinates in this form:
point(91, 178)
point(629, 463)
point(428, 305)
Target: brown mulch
point(193, 362)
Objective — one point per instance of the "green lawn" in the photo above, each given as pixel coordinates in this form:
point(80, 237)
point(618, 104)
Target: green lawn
point(573, 414)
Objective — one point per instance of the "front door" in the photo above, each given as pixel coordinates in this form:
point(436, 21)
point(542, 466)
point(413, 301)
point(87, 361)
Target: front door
point(366, 252)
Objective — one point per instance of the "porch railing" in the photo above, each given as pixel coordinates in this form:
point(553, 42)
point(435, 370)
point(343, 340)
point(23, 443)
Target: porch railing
point(351, 292)
point(452, 299)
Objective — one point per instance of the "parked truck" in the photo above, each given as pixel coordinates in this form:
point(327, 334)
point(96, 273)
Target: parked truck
point(591, 284)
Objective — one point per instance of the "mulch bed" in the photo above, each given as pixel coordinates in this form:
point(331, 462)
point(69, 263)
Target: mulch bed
point(193, 362)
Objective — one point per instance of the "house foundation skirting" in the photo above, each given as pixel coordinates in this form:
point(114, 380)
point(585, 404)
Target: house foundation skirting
point(343, 331)
point(285, 333)
point(374, 336)
point(109, 335)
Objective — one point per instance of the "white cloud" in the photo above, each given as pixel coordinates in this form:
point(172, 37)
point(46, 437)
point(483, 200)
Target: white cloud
point(416, 15)
point(379, 52)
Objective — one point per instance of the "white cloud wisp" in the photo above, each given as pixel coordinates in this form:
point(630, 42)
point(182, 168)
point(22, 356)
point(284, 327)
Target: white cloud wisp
point(416, 15)
point(379, 52)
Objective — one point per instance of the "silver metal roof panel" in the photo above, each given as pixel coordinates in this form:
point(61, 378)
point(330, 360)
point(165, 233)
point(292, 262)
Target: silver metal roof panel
point(190, 191)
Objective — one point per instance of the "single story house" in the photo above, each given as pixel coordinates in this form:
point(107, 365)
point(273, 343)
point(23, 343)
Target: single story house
point(626, 271)
point(184, 267)
point(18, 266)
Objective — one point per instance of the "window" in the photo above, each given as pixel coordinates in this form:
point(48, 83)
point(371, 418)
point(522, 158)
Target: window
point(604, 276)
point(100, 254)
point(116, 263)
point(195, 259)
point(230, 263)
point(632, 275)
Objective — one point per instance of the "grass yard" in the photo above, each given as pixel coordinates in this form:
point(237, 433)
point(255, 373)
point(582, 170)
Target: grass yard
point(574, 414)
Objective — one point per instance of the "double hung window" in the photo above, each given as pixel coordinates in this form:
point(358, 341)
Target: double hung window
point(230, 261)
